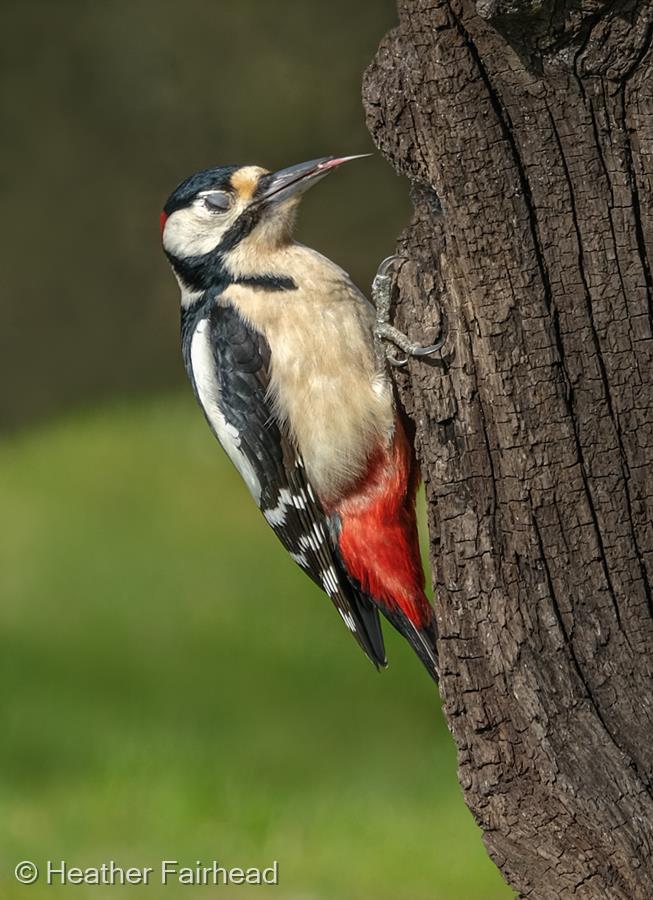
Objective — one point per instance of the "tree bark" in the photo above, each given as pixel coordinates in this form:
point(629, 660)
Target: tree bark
point(526, 130)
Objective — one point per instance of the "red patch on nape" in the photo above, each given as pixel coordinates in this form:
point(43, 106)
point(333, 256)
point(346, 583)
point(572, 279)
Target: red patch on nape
point(162, 221)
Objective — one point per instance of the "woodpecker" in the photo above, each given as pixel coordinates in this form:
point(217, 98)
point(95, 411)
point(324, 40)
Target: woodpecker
point(282, 351)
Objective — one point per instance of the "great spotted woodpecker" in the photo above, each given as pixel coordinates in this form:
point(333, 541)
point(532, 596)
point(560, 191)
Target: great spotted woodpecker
point(283, 354)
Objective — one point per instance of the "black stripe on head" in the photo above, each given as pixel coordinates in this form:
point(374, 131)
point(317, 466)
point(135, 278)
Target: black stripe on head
point(183, 195)
point(241, 228)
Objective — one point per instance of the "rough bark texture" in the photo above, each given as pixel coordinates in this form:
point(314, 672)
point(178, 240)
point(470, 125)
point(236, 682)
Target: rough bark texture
point(526, 130)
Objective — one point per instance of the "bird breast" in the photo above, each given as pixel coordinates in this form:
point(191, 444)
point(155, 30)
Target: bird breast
point(324, 383)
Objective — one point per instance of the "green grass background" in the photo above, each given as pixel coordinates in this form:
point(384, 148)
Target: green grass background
point(174, 687)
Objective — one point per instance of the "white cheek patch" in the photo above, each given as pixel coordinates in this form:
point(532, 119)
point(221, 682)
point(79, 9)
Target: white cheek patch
point(194, 231)
point(202, 363)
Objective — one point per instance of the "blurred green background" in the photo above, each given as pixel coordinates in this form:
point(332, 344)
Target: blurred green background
point(172, 686)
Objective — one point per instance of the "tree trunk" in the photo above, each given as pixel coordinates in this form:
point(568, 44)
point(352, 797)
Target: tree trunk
point(526, 130)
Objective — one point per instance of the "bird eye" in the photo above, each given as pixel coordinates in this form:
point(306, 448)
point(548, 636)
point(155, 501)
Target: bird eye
point(217, 201)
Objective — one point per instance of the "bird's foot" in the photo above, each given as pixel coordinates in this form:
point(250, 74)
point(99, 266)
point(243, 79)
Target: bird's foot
point(384, 332)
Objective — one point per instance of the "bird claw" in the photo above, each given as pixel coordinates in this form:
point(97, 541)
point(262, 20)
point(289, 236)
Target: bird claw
point(384, 332)
point(385, 266)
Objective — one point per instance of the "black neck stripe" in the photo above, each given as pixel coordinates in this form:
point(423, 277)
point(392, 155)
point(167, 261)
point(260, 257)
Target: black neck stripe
point(199, 273)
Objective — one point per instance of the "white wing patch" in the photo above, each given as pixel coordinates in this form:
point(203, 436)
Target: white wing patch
point(308, 542)
point(277, 515)
point(299, 500)
point(348, 619)
point(202, 363)
point(329, 579)
point(300, 559)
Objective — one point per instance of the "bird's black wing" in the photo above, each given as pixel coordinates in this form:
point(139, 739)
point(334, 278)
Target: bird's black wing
point(261, 448)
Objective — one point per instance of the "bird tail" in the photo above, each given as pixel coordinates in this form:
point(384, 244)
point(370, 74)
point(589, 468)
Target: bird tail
point(422, 639)
point(379, 547)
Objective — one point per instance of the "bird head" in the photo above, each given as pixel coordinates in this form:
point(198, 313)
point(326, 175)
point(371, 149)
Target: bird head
point(230, 210)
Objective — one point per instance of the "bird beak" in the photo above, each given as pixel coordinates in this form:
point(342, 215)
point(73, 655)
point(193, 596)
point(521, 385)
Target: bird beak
point(295, 180)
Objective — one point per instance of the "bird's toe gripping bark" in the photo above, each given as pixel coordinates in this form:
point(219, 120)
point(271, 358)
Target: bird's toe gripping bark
point(384, 332)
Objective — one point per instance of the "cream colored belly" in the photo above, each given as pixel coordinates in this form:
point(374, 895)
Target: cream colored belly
point(324, 385)
point(337, 410)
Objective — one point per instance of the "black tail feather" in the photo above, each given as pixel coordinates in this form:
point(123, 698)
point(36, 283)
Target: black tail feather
point(422, 640)
point(370, 628)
